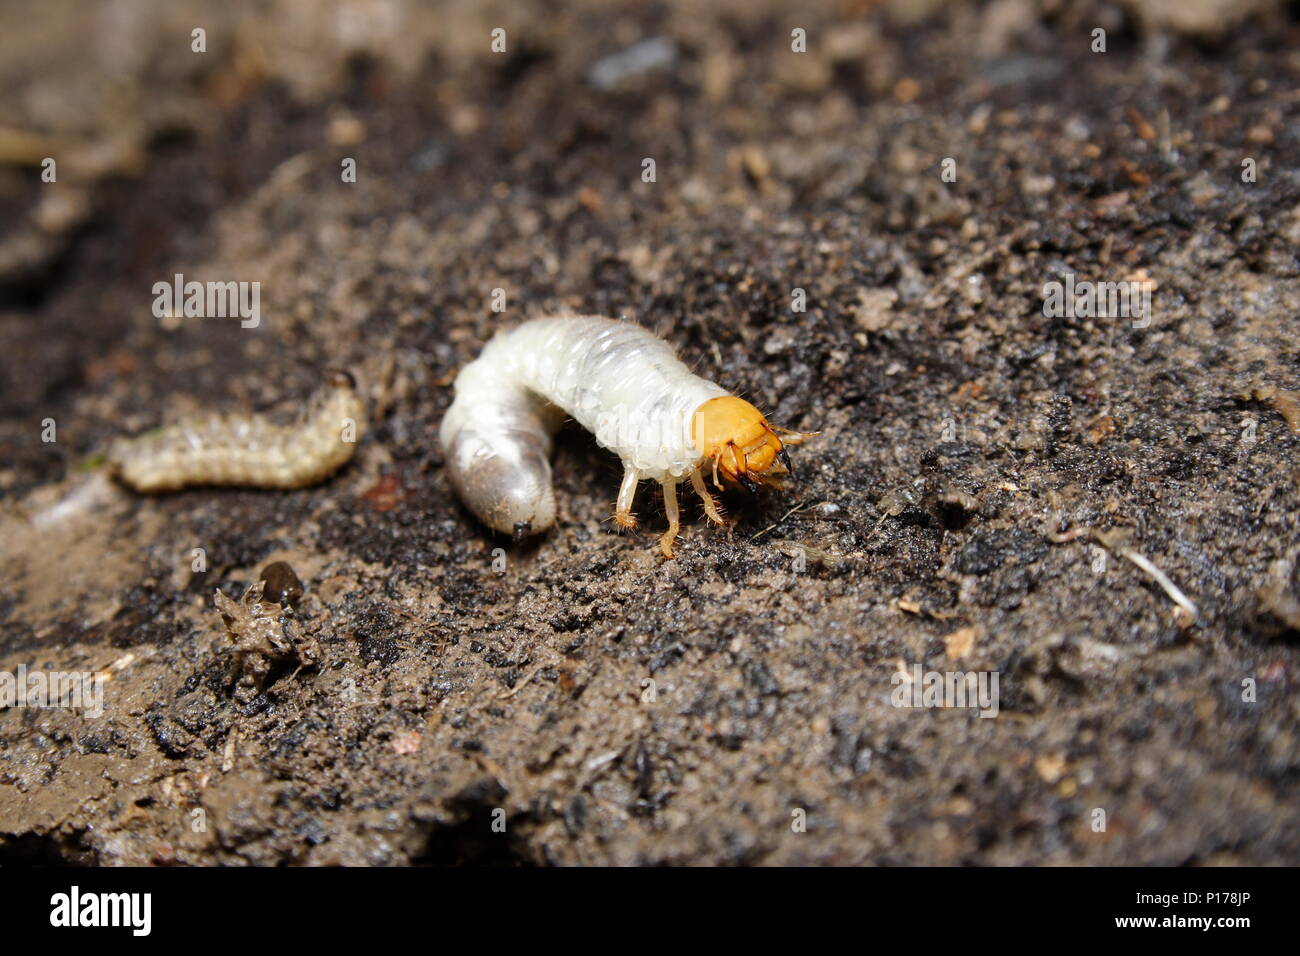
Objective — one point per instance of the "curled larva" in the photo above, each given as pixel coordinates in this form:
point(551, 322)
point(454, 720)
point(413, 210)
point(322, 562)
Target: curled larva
point(233, 449)
point(624, 385)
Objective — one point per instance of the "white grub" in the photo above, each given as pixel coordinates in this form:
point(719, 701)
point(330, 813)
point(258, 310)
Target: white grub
point(250, 450)
point(628, 388)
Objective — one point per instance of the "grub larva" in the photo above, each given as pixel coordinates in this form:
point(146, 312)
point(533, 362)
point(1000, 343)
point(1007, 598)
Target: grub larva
point(240, 449)
point(624, 385)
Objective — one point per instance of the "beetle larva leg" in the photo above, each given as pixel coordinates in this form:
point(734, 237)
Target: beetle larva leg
point(674, 519)
point(710, 506)
point(623, 516)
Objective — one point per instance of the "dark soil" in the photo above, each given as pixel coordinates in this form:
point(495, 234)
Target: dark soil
point(982, 475)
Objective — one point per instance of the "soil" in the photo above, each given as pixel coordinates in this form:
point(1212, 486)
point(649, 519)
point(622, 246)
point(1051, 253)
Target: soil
point(993, 490)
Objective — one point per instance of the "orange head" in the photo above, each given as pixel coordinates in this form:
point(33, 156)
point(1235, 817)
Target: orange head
point(740, 442)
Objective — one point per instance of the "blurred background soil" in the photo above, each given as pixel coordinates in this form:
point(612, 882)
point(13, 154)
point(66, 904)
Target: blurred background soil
point(981, 475)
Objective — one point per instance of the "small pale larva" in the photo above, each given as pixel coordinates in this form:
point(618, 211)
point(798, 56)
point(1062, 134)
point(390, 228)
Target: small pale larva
point(233, 449)
point(627, 387)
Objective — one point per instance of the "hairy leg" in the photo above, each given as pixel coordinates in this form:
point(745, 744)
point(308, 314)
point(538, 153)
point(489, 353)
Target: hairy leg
point(710, 506)
point(623, 516)
point(674, 518)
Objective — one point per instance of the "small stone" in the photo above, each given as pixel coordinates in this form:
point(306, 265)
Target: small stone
point(281, 585)
point(959, 643)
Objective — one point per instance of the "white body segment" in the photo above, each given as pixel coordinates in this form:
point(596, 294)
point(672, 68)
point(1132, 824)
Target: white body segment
point(618, 380)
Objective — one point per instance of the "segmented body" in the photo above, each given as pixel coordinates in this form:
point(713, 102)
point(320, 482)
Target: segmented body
point(618, 380)
point(244, 449)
